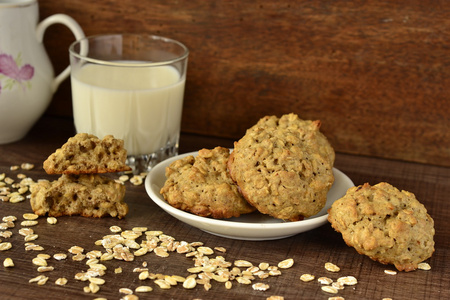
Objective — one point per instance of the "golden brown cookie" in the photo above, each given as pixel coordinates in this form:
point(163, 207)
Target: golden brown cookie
point(283, 167)
point(388, 225)
point(201, 185)
point(86, 154)
point(86, 195)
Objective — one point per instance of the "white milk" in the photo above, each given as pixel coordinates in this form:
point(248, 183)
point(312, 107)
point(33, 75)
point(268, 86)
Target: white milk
point(141, 105)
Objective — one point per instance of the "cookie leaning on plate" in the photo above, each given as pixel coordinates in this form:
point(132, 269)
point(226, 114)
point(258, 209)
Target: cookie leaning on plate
point(388, 225)
point(87, 154)
point(202, 186)
point(283, 167)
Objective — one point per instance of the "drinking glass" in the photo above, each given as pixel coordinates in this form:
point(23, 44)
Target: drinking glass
point(132, 87)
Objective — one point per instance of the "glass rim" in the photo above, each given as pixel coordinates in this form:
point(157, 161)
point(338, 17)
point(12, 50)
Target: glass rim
point(181, 57)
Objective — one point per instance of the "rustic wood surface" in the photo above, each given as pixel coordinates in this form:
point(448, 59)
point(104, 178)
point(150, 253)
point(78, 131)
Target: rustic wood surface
point(375, 72)
point(310, 250)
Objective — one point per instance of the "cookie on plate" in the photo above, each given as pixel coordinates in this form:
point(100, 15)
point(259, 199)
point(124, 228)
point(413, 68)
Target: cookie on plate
point(86, 195)
point(283, 167)
point(387, 225)
point(201, 185)
point(87, 154)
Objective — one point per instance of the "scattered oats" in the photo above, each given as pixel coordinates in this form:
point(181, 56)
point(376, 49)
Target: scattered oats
point(162, 284)
point(8, 263)
point(9, 219)
point(424, 266)
point(29, 223)
point(170, 280)
point(387, 299)
point(136, 180)
point(331, 267)
point(87, 289)
point(124, 178)
point(130, 297)
point(52, 220)
point(275, 298)
point(22, 190)
point(390, 272)
point(2, 176)
point(324, 280)
point(118, 270)
point(243, 280)
point(260, 286)
point(115, 229)
point(76, 249)
point(307, 277)
point(139, 229)
point(59, 256)
point(275, 272)
point(5, 246)
point(338, 285)
point(263, 266)
point(161, 252)
point(32, 247)
point(14, 168)
point(243, 263)
point(27, 166)
point(78, 257)
point(45, 269)
point(38, 261)
point(329, 289)
point(141, 251)
point(143, 289)
point(40, 280)
point(21, 176)
point(26, 231)
point(336, 298)
point(93, 287)
point(131, 235)
point(31, 237)
point(220, 249)
point(16, 198)
point(43, 256)
point(205, 250)
point(189, 283)
point(125, 291)
point(285, 264)
point(347, 280)
point(6, 234)
point(228, 285)
point(106, 256)
point(4, 198)
point(96, 280)
point(61, 281)
point(143, 275)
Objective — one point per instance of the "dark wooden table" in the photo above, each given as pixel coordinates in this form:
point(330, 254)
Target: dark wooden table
point(310, 250)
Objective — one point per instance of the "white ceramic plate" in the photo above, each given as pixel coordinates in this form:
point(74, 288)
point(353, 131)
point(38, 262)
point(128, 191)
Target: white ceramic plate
point(254, 226)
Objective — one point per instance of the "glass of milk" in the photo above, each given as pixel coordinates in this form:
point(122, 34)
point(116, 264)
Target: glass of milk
point(130, 86)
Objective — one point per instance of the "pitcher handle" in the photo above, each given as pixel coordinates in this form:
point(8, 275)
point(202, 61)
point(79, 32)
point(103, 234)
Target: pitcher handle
point(73, 26)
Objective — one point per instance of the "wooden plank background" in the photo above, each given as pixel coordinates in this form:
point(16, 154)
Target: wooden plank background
point(376, 73)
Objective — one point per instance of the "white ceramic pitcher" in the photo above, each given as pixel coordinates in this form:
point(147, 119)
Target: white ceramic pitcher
point(27, 81)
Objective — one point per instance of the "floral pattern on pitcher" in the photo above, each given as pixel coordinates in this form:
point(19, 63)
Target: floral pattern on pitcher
point(12, 72)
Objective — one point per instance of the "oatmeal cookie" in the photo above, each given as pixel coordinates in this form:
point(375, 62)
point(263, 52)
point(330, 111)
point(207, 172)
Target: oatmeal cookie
point(86, 195)
point(86, 154)
point(201, 185)
point(284, 167)
point(387, 225)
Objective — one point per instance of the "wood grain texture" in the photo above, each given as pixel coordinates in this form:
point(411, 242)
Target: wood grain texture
point(310, 250)
point(375, 72)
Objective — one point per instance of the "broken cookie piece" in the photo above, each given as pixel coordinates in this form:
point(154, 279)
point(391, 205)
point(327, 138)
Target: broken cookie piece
point(86, 195)
point(87, 154)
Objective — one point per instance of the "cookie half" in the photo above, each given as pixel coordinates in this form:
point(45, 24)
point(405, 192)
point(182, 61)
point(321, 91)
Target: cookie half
point(387, 225)
point(201, 185)
point(86, 195)
point(283, 167)
point(87, 154)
